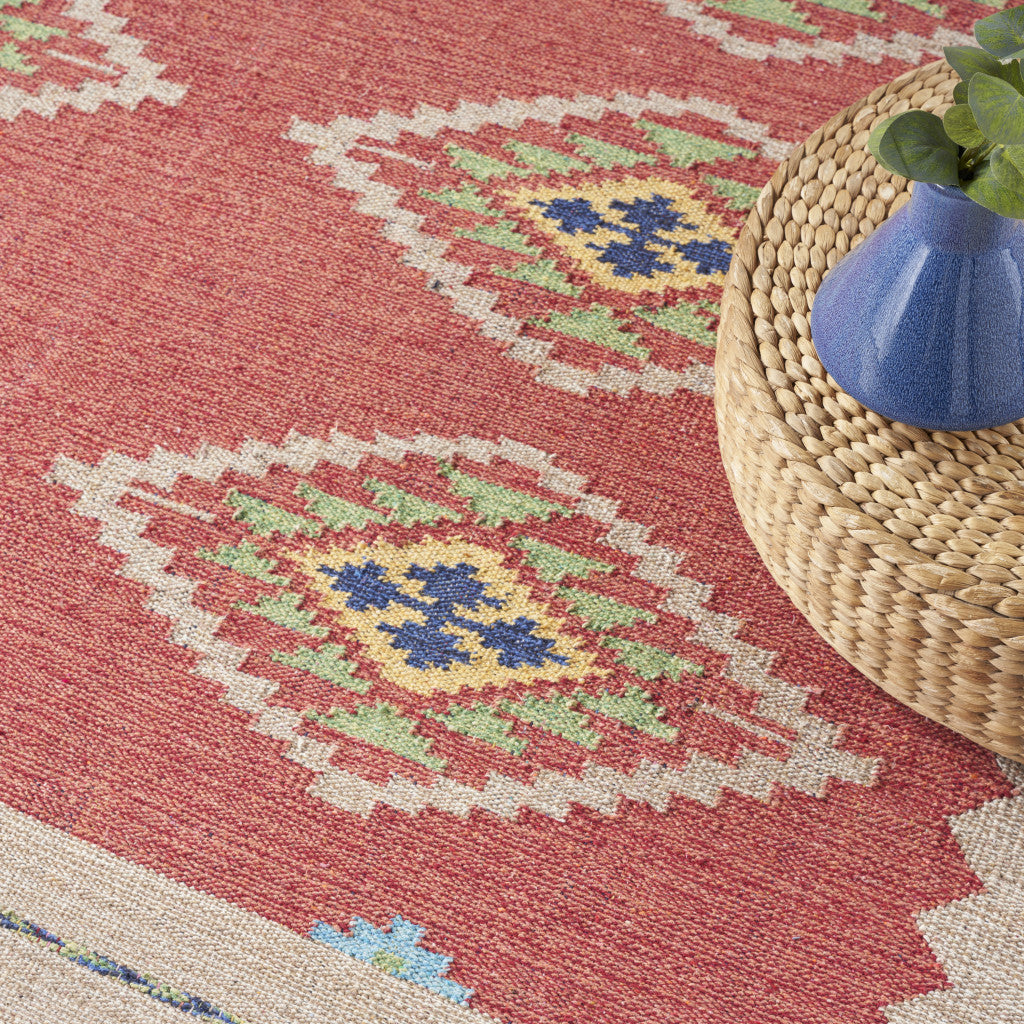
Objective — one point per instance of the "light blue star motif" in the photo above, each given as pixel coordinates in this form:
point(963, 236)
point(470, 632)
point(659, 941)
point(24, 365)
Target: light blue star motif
point(397, 952)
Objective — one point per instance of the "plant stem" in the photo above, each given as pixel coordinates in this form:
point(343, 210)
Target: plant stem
point(973, 157)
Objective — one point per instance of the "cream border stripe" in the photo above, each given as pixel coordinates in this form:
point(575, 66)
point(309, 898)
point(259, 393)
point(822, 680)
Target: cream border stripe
point(37, 987)
point(245, 964)
point(140, 80)
point(331, 144)
point(903, 46)
point(814, 756)
point(34, 937)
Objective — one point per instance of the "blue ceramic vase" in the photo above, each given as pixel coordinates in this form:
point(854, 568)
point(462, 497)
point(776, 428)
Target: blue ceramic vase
point(924, 321)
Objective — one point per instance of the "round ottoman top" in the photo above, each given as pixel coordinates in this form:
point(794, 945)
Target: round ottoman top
point(904, 547)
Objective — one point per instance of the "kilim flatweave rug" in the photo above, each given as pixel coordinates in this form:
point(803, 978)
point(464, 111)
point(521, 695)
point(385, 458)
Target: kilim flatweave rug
point(380, 642)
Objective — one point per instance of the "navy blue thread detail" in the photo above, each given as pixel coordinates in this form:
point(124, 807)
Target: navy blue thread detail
point(447, 587)
point(648, 217)
point(101, 965)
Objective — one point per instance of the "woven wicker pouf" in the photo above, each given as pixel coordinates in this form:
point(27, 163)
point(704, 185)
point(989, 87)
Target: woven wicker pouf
point(903, 547)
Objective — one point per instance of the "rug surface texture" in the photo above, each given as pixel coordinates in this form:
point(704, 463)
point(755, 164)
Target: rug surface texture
point(379, 640)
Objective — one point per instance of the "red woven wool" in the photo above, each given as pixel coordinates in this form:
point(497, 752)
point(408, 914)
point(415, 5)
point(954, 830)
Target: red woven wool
point(379, 638)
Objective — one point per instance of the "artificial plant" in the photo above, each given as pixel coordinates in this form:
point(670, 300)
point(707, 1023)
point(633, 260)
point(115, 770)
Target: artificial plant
point(978, 144)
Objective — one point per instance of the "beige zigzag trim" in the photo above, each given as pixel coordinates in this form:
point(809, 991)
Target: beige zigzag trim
point(979, 940)
point(904, 46)
point(241, 962)
point(331, 144)
point(813, 758)
point(141, 80)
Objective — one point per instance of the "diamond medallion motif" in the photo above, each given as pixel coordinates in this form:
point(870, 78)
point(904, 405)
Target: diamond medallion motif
point(453, 624)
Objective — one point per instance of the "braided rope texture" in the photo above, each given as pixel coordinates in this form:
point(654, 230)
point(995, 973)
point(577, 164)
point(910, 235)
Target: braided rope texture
point(903, 547)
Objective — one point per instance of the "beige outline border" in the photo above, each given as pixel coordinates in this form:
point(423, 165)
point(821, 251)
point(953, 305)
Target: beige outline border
point(903, 46)
point(141, 80)
point(814, 756)
point(332, 142)
point(979, 939)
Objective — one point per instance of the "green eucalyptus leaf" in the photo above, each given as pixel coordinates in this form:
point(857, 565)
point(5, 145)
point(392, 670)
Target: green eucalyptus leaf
point(1007, 173)
point(915, 145)
point(1002, 33)
point(1010, 72)
point(1015, 154)
point(962, 128)
point(986, 190)
point(970, 60)
point(998, 109)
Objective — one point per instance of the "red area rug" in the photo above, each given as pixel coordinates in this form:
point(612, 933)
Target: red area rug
point(379, 639)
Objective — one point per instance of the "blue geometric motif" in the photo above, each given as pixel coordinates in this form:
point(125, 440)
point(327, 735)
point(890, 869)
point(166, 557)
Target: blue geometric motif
point(650, 218)
point(397, 952)
point(446, 587)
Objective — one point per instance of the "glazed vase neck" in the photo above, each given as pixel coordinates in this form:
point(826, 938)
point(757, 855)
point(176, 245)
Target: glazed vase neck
point(943, 217)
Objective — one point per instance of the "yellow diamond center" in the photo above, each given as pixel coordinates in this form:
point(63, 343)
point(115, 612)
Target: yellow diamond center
point(633, 235)
point(444, 615)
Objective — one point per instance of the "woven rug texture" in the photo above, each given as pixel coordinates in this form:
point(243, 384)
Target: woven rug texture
point(379, 639)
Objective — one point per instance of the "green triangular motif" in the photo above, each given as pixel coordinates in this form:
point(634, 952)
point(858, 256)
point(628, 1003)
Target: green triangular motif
point(465, 198)
point(544, 161)
point(337, 513)
point(494, 504)
point(284, 610)
point(22, 29)
point(555, 714)
point(481, 167)
point(12, 59)
point(544, 274)
point(740, 196)
point(634, 708)
point(683, 320)
point(606, 155)
point(480, 722)
point(651, 662)
point(407, 509)
point(266, 519)
point(326, 663)
point(245, 558)
point(602, 613)
point(383, 726)
point(553, 564)
point(685, 148)
point(863, 7)
point(503, 235)
point(774, 11)
point(599, 326)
